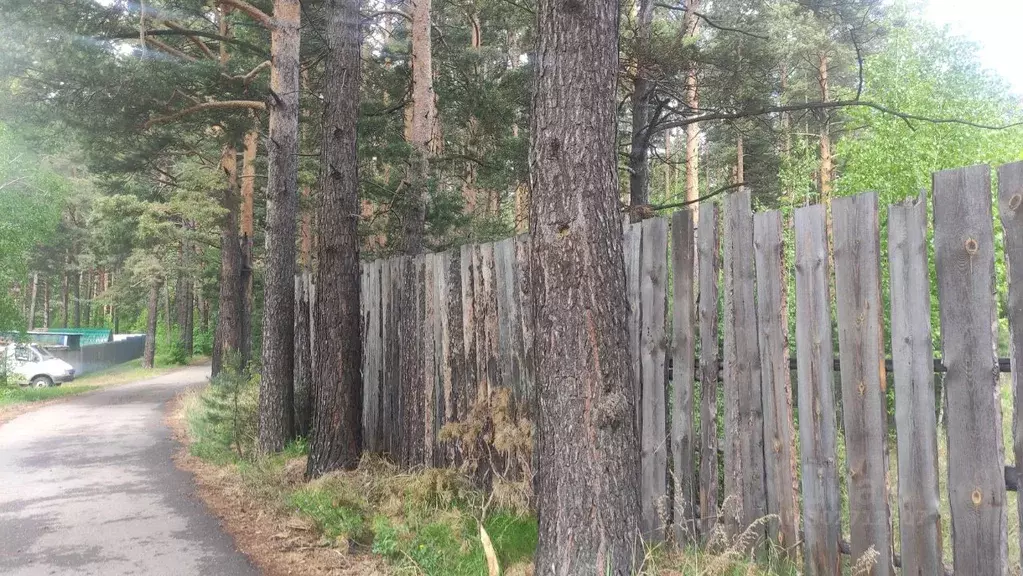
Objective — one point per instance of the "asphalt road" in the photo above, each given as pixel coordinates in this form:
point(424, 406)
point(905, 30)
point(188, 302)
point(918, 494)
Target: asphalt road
point(87, 486)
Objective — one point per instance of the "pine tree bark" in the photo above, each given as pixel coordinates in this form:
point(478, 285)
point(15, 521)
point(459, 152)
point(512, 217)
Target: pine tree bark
point(826, 160)
point(303, 320)
point(227, 340)
point(422, 131)
point(77, 288)
point(587, 449)
point(276, 398)
point(248, 187)
point(642, 96)
point(183, 311)
point(303, 354)
point(336, 441)
point(690, 27)
point(152, 311)
point(65, 281)
point(46, 303)
point(423, 125)
point(33, 296)
point(87, 304)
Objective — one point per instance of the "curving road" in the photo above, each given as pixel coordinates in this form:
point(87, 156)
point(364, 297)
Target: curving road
point(87, 486)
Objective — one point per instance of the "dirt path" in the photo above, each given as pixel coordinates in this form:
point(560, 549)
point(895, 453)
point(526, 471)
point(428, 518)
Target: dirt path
point(88, 486)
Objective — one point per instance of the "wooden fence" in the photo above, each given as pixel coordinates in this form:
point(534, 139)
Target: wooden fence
point(476, 338)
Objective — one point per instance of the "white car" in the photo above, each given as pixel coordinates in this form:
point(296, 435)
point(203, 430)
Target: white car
point(31, 365)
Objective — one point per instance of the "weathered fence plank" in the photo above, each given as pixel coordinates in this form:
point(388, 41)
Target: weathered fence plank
point(487, 351)
point(372, 374)
point(912, 359)
point(857, 253)
point(526, 401)
point(391, 424)
point(744, 419)
point(964, 253)
point(413, 357)
point(509, 316)
point(817, 430)
point(454, 346)
point(709, 271)
point(1010, 208)
point(429, 335)
point(683, 343)
point(632, 245)
point(652, 377)
point(779, 431)
point(469, 383)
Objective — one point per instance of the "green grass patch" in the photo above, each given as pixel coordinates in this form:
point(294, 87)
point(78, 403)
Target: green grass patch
point(16, 396)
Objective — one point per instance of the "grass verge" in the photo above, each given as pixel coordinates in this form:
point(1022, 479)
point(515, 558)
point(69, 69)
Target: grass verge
point(377, 519)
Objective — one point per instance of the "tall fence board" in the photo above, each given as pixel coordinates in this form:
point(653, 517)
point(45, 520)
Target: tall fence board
point(857, 254)
point(1010, 208)
point(817, 431)
point(744, 419)
point(474, 341)
point(683, 327)
point(709, 261)
point(651, 379)
point(779, 432)
point(964, 252)
point(913, 362)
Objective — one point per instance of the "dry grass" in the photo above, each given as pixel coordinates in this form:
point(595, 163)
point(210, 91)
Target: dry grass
point(247, 500)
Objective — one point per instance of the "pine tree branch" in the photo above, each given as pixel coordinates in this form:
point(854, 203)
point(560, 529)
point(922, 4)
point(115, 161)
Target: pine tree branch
point(198, 33)
point(247, 78)
point(191, 38)
point(710, 195)
point(391, 12)
point(827, 106)
point(711, 23)
point(167, 49)
point(251, 11)
point(221, 105)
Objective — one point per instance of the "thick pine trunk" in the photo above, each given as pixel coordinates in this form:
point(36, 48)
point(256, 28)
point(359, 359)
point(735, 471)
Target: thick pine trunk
point(149, 354)
point(336, 441)
point(276, 398)
point(422, 130)
point(227, 341)
point(587, 449)
point(642, 96)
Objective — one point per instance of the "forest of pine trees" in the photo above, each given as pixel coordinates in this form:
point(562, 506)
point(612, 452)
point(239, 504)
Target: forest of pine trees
point(193, 168)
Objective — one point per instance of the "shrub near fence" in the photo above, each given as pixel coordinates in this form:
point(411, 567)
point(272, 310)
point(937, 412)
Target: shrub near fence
point(474, 307)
